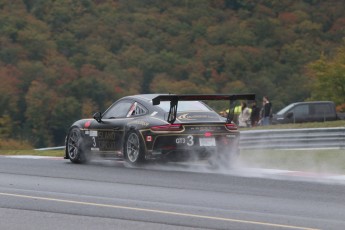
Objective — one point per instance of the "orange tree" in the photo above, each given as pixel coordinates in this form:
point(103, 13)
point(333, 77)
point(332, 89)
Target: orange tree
point(328, 77)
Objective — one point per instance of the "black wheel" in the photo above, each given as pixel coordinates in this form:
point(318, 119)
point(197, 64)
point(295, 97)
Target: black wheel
point(76, 152)
point(134, 149)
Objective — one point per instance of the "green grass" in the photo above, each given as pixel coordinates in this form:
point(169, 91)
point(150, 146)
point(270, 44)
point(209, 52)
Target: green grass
point(55, 153)
point(19, 147)
point(321, 161)
point(327, 124)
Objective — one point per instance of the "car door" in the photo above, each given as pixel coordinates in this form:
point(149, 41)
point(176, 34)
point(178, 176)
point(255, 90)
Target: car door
point(108, 134)
point(300, 113)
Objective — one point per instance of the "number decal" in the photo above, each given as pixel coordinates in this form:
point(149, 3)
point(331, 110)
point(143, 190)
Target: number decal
point(94, 141)
point(190, 140)
point(180, 140)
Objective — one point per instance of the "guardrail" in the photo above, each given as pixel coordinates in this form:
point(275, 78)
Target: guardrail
point(293, 138)
point(51, 148)
point(284, 139)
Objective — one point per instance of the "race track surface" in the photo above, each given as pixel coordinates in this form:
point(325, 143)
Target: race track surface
point(51, 193)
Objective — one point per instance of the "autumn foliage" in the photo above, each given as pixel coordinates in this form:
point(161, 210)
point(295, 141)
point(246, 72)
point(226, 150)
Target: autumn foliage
point(64, 60)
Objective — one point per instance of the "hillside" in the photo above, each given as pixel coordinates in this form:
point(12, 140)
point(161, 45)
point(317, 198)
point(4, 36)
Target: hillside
point(63, 60)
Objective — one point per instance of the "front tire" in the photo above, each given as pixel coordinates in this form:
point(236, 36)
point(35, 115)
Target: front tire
point(134, 152)
point(74, 146)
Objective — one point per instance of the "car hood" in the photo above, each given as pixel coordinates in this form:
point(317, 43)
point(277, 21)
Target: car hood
point(277, 118)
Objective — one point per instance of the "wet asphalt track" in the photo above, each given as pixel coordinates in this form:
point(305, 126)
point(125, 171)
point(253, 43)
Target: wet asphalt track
point(56, 194)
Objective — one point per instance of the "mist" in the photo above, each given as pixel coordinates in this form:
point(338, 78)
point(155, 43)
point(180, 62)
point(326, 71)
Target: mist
point(325, 161)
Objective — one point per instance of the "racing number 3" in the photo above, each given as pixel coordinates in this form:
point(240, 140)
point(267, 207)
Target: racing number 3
point(190, 140)
point(94, 142)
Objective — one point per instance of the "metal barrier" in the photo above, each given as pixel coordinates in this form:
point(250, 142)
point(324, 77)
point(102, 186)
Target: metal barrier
point(51, 148)
point(293, 138)
point(285, 139)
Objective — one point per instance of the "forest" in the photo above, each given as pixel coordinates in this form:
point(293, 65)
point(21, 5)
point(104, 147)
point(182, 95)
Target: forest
point(62, 60)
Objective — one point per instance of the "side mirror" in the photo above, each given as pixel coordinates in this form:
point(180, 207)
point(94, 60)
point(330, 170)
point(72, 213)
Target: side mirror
point(289, 115)
point(98, 117)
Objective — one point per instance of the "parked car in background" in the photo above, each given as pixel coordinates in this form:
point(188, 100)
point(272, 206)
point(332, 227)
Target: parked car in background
point(311, 111)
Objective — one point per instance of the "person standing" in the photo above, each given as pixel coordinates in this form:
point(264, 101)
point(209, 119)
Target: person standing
point(266, 111)
point(244, 117)
point(255, 115)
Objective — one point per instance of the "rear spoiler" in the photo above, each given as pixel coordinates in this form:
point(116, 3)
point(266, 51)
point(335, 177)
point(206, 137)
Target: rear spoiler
point(175, 98)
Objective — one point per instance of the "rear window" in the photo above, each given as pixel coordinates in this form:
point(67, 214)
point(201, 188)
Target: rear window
point(186, 106)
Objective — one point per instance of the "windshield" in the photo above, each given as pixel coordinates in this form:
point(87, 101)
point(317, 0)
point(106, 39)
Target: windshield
point(184, 106)
point(281, 112)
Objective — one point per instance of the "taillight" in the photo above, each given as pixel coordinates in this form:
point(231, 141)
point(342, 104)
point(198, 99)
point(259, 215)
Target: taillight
point(231, 126)
point(169, 127)
point(208, 134)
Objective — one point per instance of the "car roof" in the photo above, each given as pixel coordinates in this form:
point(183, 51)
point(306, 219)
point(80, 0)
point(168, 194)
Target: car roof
point(312, 102)
point(145, 97)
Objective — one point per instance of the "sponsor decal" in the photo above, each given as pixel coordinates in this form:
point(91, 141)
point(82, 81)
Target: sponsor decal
point(139, 122)
point(93, 133)
point(106, 135)
point(102, 140)
point(206, 128)
point(180, 140)
point(106, 145)
point(188, 117)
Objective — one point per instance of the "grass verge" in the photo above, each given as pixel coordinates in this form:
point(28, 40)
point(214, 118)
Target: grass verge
point(320, 161)
point(52, 153)
point(327, 124)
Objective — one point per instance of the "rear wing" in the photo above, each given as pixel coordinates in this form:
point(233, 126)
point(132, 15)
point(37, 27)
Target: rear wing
point(175, 98)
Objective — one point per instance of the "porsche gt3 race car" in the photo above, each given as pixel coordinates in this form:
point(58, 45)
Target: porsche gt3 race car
point(147, 127)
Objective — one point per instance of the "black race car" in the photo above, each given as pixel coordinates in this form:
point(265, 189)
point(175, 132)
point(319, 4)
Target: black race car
point(151, 127)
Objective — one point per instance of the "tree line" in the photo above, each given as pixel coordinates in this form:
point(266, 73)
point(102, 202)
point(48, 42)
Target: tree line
point(61, 60)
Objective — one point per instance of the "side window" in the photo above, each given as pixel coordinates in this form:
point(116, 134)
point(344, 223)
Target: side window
point(136, 110)
point(301, 110)
point(140, 110)
point(322, 109)
point(118, 110)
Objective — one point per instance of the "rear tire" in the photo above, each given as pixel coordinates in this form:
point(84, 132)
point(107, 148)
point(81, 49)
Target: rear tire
point(134, 153)
point(74, 146)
